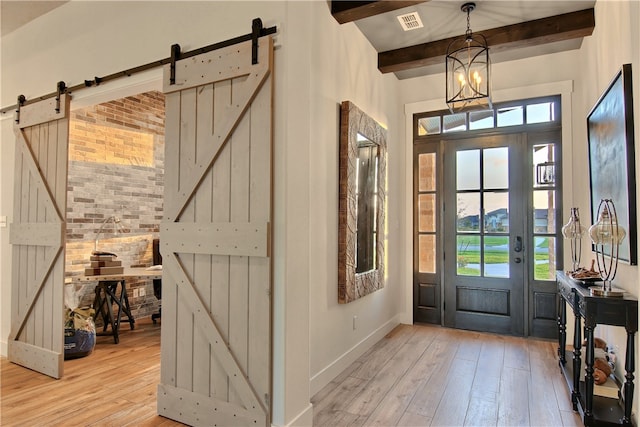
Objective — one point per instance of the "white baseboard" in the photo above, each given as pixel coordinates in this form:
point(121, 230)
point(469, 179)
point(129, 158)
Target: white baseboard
point(303, 419)
point(324, 377)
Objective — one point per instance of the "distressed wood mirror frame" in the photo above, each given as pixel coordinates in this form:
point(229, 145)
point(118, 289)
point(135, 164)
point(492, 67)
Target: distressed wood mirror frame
point(354, 122)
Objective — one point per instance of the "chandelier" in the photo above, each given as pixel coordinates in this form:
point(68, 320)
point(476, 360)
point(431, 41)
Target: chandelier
point(467, 69)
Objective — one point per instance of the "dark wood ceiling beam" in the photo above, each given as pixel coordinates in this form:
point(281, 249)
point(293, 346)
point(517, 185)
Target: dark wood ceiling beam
point(540, 31)
point(348, 11)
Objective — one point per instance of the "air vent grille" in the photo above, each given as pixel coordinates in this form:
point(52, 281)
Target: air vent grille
point(410, 21)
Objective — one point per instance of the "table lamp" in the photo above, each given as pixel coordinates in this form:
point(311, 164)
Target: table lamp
point(573, 231)
point(607, 232)
point(117, 226)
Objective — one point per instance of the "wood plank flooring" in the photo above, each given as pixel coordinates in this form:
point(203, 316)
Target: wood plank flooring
point(415, 376)
point(113, 386)
point(432, 376)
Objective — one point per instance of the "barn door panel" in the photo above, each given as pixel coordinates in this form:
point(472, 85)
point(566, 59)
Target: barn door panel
point(37, 236)
point(215, 239)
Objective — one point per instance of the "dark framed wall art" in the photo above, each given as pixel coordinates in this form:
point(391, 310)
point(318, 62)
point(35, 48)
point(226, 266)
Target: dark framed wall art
point(612, 170)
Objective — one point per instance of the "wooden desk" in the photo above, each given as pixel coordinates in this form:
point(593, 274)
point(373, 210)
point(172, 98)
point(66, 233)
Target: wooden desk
point(141, 273)
point(622, 311)
point(107, 294)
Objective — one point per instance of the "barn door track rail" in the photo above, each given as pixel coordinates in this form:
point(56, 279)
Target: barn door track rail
point(257, 31)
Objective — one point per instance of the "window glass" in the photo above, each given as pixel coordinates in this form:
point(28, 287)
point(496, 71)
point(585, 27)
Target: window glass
point(510, 116)
point(495, 168)
point(455, 122)
point(429, 126)
point(544, 173)
point(468, 170)
point(540, 113)
point(427, 213)
point(496, 256)
point(481, 120)
point(427, 255)
point(468, 212)
point(427, 172)
point(468, 255)
point(544, 214)
point(545, 258)
point(496, 212)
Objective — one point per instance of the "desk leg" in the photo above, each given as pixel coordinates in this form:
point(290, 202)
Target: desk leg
point(588, 411)
point(562, 330)
point(577, 345)
point(629, 367)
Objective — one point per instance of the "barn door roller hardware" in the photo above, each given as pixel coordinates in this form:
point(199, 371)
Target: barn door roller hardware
point(257, 31)
point(21, 101)
point(62, 88)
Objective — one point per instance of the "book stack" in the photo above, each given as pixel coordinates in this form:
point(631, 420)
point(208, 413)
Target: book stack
point(104, 264)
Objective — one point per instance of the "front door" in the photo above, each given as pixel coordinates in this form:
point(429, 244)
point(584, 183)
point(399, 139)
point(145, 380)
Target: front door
point(484, 213)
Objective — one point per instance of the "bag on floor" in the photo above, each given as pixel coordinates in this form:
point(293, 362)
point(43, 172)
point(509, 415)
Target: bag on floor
point(79, 333)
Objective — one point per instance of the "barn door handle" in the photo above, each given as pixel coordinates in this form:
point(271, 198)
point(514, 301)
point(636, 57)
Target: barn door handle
point(518, 246)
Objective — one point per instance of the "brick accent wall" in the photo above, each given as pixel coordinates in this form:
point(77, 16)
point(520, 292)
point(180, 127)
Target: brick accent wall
point(116, 167)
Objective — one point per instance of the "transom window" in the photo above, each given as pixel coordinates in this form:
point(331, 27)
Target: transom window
point(522, 113)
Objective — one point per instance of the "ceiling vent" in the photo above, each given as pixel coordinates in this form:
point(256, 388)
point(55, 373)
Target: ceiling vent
point(410, 21)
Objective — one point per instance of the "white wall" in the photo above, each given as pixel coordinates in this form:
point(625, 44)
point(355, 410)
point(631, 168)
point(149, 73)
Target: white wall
point(344, 67)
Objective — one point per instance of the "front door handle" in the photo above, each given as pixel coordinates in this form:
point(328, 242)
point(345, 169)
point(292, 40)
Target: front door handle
point(518, 245)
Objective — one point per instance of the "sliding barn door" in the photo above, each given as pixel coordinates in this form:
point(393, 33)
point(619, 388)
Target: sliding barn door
point(37, 235)
point(215, 239)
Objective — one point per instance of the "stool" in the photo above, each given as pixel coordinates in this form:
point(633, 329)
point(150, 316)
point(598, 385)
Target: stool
point(106, 296)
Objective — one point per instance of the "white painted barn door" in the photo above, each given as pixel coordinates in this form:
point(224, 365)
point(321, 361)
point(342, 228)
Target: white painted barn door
point(215, 239)
point(37, 235)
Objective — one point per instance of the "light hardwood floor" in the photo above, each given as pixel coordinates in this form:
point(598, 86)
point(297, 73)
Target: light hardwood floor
point(113, 386)
point(433, 376)
point(416, 376)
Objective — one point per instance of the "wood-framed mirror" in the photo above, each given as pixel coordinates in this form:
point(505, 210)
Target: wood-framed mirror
point(362, 196)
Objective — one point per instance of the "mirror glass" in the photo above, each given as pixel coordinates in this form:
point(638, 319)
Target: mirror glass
point(366, 194)
point(363, 143)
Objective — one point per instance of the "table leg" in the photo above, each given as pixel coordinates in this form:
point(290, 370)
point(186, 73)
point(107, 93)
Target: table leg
point(629, 367)
point(588, 380)
point(562, 330)
point(577, 345)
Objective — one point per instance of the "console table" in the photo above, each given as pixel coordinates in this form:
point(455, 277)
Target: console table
point(593, 310)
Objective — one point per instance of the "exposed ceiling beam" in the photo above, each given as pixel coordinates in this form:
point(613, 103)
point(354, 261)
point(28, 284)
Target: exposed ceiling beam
point(540, 31)
point(348, 11)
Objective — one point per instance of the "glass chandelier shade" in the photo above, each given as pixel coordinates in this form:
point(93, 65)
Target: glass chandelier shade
point(606, 232)
point(573, 231)
point(468, 70)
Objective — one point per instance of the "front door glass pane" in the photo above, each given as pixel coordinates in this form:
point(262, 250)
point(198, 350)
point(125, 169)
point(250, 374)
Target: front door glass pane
point(468, 255)
point(496, 256)
point(496, 212)
point(496, 168)
point(545, 260)
point(468, 212)
point(468, 170)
